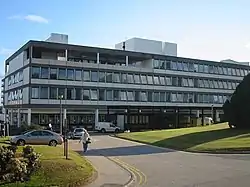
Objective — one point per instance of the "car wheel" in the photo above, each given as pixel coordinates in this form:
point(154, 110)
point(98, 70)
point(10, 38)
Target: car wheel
point(103, 131)
point(116, 130)
point(20, 142)
point(53, 143)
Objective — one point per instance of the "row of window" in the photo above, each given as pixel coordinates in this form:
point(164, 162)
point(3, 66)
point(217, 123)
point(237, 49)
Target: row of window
point(199, 67)
point(17, 77)
point(123, 95)
point(15, 95)
point(128, 78)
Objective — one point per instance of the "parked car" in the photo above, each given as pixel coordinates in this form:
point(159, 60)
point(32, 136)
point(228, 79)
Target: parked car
point(37, 137)
point(107, 127)
point(77, 133)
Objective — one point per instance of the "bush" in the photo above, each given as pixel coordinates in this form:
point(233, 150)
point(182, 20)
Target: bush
point(237, 109)
point(17, 169)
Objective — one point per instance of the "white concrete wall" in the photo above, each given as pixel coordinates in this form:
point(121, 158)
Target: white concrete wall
point(17, 62)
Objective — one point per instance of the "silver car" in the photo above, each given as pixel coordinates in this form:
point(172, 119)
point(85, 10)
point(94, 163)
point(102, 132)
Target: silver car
point(37, 137)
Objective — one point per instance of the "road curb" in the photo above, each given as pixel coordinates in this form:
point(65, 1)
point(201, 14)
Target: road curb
point(191, 152)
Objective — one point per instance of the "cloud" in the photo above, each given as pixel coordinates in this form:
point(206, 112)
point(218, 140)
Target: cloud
point(32, 18)
point(5, 51)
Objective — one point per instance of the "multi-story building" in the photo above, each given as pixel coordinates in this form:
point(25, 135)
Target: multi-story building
point(138, 90)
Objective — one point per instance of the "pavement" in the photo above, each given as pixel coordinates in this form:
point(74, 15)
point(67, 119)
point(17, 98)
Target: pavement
point(118, 161)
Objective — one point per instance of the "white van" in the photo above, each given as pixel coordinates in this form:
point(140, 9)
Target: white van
point(208, 121)
point(107, 127)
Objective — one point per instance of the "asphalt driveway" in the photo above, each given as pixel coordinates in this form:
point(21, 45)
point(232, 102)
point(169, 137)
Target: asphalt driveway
point(167, 168)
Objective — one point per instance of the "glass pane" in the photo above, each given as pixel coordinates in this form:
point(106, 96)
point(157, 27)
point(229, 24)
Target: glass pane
point(35, 93)
point(191, 82)
point(44, 93)
point(78, 76)
point(101, 76)
point(53, 93)
point(44, 73)
point(200, 83)
point(220, 70)
point(168, 81)
point(196, 68)
point(156, 80)
point(123, 96)
point(150, 96)
point(162, 97)
point(78, 92)
point(144, 79)
point(109, 95)
point(205, 68)
point(180, 97)
point(35, 72)
point(150, 79)
point(162, 80)
point(61, 93)
point(116, 77)
point(173, 97)
point(191, 67)
point(102, 95)
point(86, 95)
point(206, 84)
point(70, 93)
point(137, 96)
point(116, 95)
point(86, 76)
point(184, 82)
point(130, 78)
point(173, 65)
point(70, 74)
point(180, 66)
point(229, 70)
point(94, 95)
point(162, 64)
point(225, 71)
point(137, 79)
point(210, 69)
point(53, 73)
point(130, 95)
point(242, 72)
point(156, 64)
point(143, 96)
point(229, 85)
point(216, 70)
point(185, 66)
point(216, 85)
point(225, 85)
point(109, 77)
point(62, 74)
point(211, 85)
point(156, 96)
point(174, 81)
point(233, 72)
point(94, 76)
point(220, 84)
point(124, 78)
point(201, 68)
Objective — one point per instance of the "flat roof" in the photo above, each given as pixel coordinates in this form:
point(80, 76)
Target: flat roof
point(112, 52)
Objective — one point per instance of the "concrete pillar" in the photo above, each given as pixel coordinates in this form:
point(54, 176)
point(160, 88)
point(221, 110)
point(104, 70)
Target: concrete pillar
point(18, 118)
point(126, 60)
point(66, 55)
point(29, 117)
point(97, 58)
point(96, 116)
point(217, 116)
point(197, 113)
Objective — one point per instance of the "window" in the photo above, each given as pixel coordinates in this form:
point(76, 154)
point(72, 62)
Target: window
point(242, 72)
point(94, 95)
point(137, 79)
point(191, 67)
point(109, 77)
point(220, 99)
point(53, 93)
point(225, 85)
point(216, 84)
point(20, 75)
point(150, 96)
point(162, 80)
point(53, 73)
point(191, 82)
point(123, 96)
point(234, 85)
point(224, 70)
point(156, 80)
point(86, 76)
point(143, 79)
point(211, 69)
point(162, 64)
point(86, 95)
point(220, 70)
point(229, 85)
point(185, 98)
point(44, 93)
point(35, 92)
point(184, 82)
point(61, 93)
point(70, 74)
point(36, 133)
point(180, 97)
point(156, 64)
point(237, 72)
point(173, 65)
point(109, 95)
point(62, 74)
point(130, 95)
point(130, 78)
point(156, 96)
point(173, 97)
point(175, 81)
point(201, 68)
point(162, 97)
point(70, 93)
point(94, 76)
point(78, 92)
point(216, 99)
point(44, 73)
point(35, 72)
point(206, 84)
point(101, 76)
point(150, 79)
point(143, 96)
point(216, 70)
point(185, 66)
point(116, 78)
point(201, 83)
point(102, 95)
point(196, 68)
point(179, 66)
point(137, 96)
point(229, 70)
point(116, 95)
point(168, 81)
point(211, 85)
point(205, 68)
point(78, 75)
point(124, 78)
point(220, 84)
point(16, 77)
point(233, 72)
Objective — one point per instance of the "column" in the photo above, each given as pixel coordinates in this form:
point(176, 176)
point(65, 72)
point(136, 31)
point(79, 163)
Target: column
point(66, 55)
point(197, 113)
point(97, 58)
point(29, 117)
point(96, 116)
point(126, 60)
point(217, 116)
point(18, 118)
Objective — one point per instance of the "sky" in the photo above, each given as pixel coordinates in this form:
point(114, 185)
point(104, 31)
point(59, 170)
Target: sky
point(207, 29)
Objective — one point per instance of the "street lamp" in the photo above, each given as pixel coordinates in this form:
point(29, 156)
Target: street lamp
point(61, 123)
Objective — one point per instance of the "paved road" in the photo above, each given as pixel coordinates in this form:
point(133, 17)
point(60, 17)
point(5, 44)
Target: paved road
point(156, 167)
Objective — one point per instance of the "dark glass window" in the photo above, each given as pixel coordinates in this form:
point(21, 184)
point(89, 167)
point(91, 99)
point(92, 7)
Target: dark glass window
point(162, 97)
point(180, 66)
point(196, 68)
point(150, 96)
point(102, 95)
point(109, 77)
point(143, 96)
point(137, 96)
point(61, 93)
point(86, 95)
point(44, 73)
point(86, 76)
point(53, 73)
point(78, 92)
point(174, 81)
point(173, 65)
point(78, 75)
point(116, 95)
point(70, 74)
point(62, 74)
point(44, 93)
point(116, 77)
point(53, 93)
point(109, 95)
point(35, 72)
point(35, 92)
point(94, 76)
point(70, 93)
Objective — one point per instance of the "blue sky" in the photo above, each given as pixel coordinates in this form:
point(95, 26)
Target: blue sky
point(208, 29)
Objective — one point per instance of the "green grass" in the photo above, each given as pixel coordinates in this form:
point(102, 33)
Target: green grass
point(214, 138)
point(56, 170)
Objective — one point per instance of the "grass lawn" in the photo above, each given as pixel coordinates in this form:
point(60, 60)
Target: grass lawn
point(56, 170)
point(214, 138)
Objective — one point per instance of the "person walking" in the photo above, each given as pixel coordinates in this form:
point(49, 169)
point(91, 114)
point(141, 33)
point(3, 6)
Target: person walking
point(85, 139)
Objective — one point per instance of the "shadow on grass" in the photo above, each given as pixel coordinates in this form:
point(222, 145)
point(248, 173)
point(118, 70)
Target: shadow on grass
point(184, 142)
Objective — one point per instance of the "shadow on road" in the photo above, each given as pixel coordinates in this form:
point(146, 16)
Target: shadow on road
point(125, 151)
point(193, 139)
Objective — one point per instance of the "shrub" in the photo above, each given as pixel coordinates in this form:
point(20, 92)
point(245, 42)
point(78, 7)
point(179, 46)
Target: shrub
point(27, 150)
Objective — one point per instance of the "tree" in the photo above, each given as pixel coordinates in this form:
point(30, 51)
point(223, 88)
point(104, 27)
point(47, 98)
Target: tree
point(237, 109)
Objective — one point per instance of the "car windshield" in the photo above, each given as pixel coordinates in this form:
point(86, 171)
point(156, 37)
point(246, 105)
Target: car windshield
point(79, 130)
